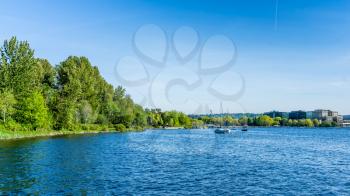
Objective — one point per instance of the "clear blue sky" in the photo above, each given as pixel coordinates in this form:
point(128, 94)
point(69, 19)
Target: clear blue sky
point(293, 54)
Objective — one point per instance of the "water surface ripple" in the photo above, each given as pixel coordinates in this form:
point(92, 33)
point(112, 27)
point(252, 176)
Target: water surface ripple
point(262, 161)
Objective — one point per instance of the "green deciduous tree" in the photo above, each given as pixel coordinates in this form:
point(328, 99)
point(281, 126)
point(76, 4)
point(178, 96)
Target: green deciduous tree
point(309, 123)
point(264, 121)
point(34, 112)
point(316, 122)
point(18, 68)
point(85, 113)
point(243, 120)
point(7, 102)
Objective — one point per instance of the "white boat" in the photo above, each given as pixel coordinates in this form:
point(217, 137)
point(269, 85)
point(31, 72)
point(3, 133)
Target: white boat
point(222, 130)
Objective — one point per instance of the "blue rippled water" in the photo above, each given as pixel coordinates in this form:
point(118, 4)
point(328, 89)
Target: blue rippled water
point(262, 161)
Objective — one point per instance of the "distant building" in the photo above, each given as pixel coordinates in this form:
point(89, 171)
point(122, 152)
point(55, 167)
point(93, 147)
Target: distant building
point(345, 123)
point(346, 117)
point(295, 115)
point(327, 115)
point(309, 114)
point(338, 119)
point(274, 114)
point(285, 114)
point(320, 114)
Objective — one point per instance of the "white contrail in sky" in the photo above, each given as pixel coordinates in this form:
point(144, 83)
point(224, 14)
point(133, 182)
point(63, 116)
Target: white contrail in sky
point(276, 15)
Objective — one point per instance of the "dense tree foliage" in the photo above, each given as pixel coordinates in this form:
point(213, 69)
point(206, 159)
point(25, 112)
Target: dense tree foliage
point(70, 96)
point(18, 69)
point(7, 103)
point(157, 118)
point(34, 112)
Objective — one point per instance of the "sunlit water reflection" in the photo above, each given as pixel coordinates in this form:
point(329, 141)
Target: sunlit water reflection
point(260, 161)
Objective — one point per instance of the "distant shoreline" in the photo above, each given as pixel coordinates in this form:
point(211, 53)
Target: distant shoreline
point(7, 135)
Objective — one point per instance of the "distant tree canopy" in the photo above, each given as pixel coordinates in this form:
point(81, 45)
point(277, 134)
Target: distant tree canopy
point(72, 95)
point(264, 121)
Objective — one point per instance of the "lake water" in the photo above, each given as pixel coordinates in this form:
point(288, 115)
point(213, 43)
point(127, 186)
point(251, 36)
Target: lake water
point(260, 161)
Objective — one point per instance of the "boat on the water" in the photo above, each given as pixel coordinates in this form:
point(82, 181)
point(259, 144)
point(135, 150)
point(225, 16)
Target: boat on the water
point(222, 130)
point(245, 128)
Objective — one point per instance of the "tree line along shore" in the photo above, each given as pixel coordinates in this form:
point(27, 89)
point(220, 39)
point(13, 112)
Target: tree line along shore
point(39, 99)
point(261, 121)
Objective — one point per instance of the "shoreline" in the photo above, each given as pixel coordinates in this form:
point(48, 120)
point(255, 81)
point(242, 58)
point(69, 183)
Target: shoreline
point(32, 134)
point(9, 135)
point(16, 135)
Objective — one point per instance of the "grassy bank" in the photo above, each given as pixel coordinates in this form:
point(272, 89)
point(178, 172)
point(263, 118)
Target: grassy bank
point(17, 131)
point(6, 135)
point(9, 134)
